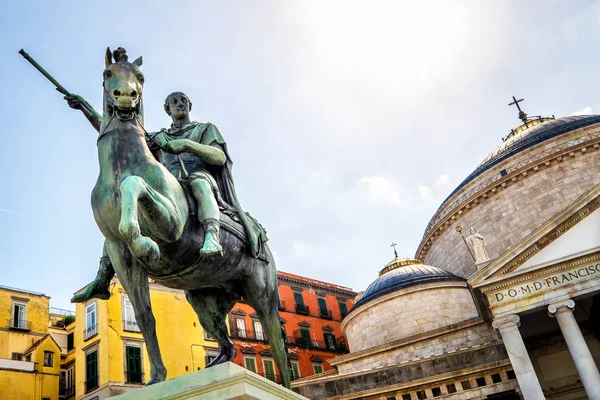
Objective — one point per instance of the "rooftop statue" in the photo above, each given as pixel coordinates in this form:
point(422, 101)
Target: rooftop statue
point(478, 245)
point(179, 223)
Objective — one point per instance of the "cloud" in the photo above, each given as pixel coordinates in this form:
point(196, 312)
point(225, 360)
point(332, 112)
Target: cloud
point(425, 192)
point(584, 111)
point(10, 212)
point(428, 192)
point(381, 191)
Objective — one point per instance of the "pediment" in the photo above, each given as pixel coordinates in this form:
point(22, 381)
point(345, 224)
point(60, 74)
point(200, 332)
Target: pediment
point(571, 233)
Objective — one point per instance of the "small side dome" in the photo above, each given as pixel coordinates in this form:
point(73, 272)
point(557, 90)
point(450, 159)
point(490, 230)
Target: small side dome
point(407, 299)
point(402, 273)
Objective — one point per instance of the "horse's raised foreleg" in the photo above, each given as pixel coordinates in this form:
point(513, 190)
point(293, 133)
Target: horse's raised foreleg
point(135, 282)
point(261, 293)
point(212, 305)
point(163, 219)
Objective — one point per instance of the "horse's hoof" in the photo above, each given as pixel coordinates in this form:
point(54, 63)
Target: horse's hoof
point(145, 250)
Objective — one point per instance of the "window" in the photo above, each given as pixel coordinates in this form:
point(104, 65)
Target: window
point(329, 341)
point(294, 370)
point(343, 308)
point(480, 381)
point(91, 371)
point(451, 388)
point(406, 396)
point(298, 298)
point(17, 356)
point(28, 358)
point(70, 381)
point(436, 391)
point(129, 321)
point(317, 368)
point(323, 311)
point(133, 355)
point(496, 378)
point(258, 331)
point(48, 359)
point(240, 325)
point(250, 364)
point(70, 341)
point(269, 369)
point(510, 374)
point(300, 307)
point(91, 322)
point(421, 394)
point(19, 316)
point(466, 385)
point(208, 359)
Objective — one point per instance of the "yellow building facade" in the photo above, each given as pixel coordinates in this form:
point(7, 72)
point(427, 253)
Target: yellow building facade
point(110, 351)
point(30, 358)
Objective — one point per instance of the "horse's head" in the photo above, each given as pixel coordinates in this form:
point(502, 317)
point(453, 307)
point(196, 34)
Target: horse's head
point(123, 85)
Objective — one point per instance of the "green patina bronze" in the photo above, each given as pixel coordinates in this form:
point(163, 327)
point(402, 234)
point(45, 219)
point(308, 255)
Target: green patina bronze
point(166, 205)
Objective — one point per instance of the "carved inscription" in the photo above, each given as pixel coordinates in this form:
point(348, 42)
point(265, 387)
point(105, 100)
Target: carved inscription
point(560, 279)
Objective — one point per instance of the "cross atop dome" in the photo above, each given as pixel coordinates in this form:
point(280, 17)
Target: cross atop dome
point(522, 114)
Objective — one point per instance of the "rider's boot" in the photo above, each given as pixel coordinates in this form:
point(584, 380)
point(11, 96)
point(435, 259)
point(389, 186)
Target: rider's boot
point(98, 288)
point(212, 246)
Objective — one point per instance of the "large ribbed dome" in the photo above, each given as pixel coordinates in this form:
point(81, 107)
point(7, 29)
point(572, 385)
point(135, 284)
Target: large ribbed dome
point(525, 136)
point(402, 273)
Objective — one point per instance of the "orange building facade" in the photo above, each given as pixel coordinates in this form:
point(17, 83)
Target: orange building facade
point(311, 311)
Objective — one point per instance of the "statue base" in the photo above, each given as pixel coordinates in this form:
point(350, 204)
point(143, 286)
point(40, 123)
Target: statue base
point(225, 382)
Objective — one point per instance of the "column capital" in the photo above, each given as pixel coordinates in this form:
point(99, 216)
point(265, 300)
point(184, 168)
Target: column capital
point(561, 306)
point(508, 321)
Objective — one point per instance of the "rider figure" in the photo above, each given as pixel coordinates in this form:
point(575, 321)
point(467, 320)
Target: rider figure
point(196, 153)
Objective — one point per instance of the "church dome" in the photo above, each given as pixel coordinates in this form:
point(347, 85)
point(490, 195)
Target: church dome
point(402, 273)
point(525, 136)
point(407, 299)
point(540, 168)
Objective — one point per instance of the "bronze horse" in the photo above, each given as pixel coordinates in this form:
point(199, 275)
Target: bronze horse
point(143, 213)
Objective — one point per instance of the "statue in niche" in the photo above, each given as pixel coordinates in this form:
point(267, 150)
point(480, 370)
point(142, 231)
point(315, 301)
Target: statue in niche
point(478, 246)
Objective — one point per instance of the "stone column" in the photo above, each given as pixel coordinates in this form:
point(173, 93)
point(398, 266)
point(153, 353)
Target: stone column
point(519, 358)
point(588, 372)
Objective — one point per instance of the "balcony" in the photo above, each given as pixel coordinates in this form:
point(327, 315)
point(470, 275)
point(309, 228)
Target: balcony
point(91, 384)
point(305, 343)
point(90, 331)
point(131, 326)
point(281, 306)
point(134, 377)
point(67, 391)
point(302, 309)
point(325, 313)
point(19, 324)
point(248, 334)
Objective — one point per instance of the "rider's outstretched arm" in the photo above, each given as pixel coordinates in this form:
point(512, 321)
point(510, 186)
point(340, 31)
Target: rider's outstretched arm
point(78, 103)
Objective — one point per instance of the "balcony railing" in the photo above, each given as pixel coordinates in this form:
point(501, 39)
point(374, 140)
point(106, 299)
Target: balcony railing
point(302, 309)
point(134, 377)
point(305, 343)
point(325, 313)
point(131, 326)
point(20, 324)
point(247, 334)
point(91, 384)
point(281, 306)
point(67, 391)
point(90, 331)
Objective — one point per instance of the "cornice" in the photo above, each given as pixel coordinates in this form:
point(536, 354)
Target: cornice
point(347, 294)
point(465, 200)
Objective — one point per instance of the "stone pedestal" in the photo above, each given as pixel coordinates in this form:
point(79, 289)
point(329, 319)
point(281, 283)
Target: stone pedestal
point(224, 382)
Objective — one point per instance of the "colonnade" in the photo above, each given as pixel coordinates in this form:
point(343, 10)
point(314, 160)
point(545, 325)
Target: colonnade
point(508, 326)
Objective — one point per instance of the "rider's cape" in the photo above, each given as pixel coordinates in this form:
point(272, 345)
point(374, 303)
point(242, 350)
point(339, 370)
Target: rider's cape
point(208, 134)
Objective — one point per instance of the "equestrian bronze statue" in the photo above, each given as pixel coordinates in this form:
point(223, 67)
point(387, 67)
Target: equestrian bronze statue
point(166, 205)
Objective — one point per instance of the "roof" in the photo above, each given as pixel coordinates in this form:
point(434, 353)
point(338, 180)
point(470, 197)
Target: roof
point(313, 281)
point(521, 139)
point(402, 273)
point(36, 344)
point(22, 291)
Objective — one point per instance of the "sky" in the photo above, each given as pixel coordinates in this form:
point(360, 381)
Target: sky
point(348, 122)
